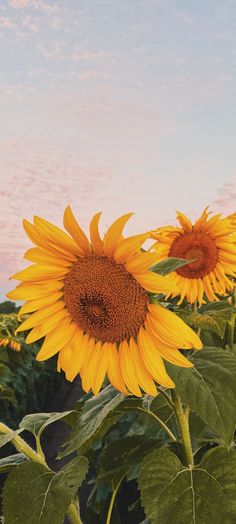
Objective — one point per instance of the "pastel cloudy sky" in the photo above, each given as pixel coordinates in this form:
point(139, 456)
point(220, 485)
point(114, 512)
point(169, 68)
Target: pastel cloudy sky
point(116, 106)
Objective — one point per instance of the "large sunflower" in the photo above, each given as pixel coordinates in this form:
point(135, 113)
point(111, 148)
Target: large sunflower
point(210, 242)
point(90, 301)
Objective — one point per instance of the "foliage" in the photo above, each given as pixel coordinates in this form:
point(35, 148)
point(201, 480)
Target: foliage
point(25, 384)
point(7, 307)
point(146, 460)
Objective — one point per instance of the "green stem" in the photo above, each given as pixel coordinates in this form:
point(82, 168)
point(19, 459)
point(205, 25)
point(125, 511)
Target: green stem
point(114, 493)
point(73, 513)
point(195, 306)
point(168, 399)
point(183, 422)
point(231, 326)
point(231, 322)
point(162, 424)
point(23, 447)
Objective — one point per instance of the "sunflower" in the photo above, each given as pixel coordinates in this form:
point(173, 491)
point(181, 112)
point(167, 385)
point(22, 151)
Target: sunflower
point(210, 243)
point(90, 300)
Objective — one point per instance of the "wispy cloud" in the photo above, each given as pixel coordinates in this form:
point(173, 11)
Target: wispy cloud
point(6, 22)
point(39, 5)
point(226, 199)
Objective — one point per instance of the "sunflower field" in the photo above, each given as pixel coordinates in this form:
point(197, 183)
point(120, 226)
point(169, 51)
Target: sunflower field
point(118, 375)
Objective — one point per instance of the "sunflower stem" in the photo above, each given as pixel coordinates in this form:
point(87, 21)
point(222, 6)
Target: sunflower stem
point(111, 505)
point(195, 308)
point(231, 322)
point(183, 422)
point(23, 447)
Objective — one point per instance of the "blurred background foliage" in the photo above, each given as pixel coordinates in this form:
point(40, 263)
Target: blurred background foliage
point(25, 384)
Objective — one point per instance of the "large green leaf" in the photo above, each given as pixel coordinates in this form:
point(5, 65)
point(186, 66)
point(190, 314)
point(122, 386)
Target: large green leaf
point(209, 388)
point(8, 463)
point(35, 495)
point(98, 412)
point(170, 264)
point(37, 422)
point(175, 494)
point(120, 456)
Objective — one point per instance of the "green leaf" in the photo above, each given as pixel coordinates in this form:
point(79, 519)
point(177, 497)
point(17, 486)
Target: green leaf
point(8, 463)
point(75, 472)
point(170, 264)
point(97, 413)
point(37, 422)
point(35, 495)
point(211, 317)
point(121, 455)
point(175, 494)
point(209, 388)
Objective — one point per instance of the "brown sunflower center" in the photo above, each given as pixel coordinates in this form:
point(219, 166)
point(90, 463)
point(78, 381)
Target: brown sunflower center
point(104, 299)
point(198, 246)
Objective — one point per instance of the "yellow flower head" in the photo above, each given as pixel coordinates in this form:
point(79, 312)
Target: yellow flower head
point(90, 301)
point(210, 243)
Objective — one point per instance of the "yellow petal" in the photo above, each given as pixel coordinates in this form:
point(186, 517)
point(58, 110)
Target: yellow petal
point(183, 287)
point(72, 226)
point(184, 222)
point(41, 256)
point(48, 325)
point(40, 241)
point(208, 289)
point(56, 236)
point(153, 360)
point(170, 324)
point(34, 305)
point(156, 283)
point(200, 291)
point(128, 247)
point(127, 368)
point(144, 378)
point(96, 241)
point(141, 262)
point(35, 291)
point(37, 318)
point(163, 336)
point(64, 359)
point(114, 371)
point(113, 234)
point(37, 272)
point(193, 290)
point(170, 354)
point(228, 247)
point(99, 372)
point(78, 346)
point(57, 339)
point(88, 367)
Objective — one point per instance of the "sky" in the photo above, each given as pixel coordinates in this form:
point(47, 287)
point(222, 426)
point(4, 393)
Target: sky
point(114, 106)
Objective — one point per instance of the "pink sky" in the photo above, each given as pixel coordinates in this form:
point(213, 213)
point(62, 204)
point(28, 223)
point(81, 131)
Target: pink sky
point(112, 108)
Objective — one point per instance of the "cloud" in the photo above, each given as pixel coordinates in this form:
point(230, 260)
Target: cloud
point(20, 3)
point(39, 5)
point(226, 198)
point(6, 22)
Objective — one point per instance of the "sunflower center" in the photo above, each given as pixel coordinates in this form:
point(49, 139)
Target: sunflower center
point(104, 299)
point(198, 246)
